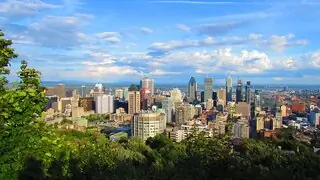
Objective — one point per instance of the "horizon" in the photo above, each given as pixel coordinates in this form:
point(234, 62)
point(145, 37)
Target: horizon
point(113, 41)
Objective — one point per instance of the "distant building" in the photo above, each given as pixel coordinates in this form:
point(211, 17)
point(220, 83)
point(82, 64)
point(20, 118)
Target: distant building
point(87, 103)
point(222, 95)
point(315, 118)
point(298, 107)
point(229, 89)
point(167, 106)
point(60, 90)
point(104, 104)
point(239, 91)
point(147, 124)
point(248, 93)
point(119, 93)
point(208, 88)
point(241, 129)
point(147, 83)
point(192, 89)
point(244, 109)
point(134, 102)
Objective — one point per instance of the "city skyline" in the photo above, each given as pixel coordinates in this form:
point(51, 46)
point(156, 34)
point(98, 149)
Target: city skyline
point(112, 41)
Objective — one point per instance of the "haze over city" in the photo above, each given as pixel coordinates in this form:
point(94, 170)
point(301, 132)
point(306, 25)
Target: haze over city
point(267, 41)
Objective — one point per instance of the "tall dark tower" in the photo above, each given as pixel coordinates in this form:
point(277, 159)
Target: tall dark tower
point(239, 91)
point(192, 89)
point(248, 93)
point(229, 89)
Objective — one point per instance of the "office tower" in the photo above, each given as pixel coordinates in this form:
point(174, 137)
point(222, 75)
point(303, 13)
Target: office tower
point(241, 129)
point(145, 96)
point(119, 93)
point(134, 102)
point(147, 83)
point(105, 104)
point(148, 124)
point(64, 103)
point(202, 96)
point(192, 89)
point(87, 103)
point(257, 100)
point(209, 104)
point(244, 109)
point(167, 106)
point(208, 88)
point(126, 94)
point(239, 91)
point(184, 113)
point(248, 92)
point(229, 89)
point(222, 95)
point(60, 90)
point(83, 91)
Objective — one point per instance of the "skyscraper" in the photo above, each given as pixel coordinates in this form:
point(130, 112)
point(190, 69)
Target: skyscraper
point(229, 89)
point(105, 104)
point(192, 89)
point(239, 91)
point(208, 88)
point(257, 99)
point(222, 95)
point(148, 84)
point(134, 102)
point(60, 91)
point(248, 93)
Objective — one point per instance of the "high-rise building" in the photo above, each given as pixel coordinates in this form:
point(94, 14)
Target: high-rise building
point(184, 113)
point(229, 88)
point(147, 124)
point(105, 104)
point(126, 94)
point(208, 88)
point(147, 83)
point(209, 104)
point(83, 91)
point(192, 89)
point(257, 100)
point(239, 91)
point(248, 92)
point(134, 102)
point(167, 106)
point(222, 95)
point(241, 129)
point(60, 90)
point(87, 103)
point(145, 96)
point(119, 93)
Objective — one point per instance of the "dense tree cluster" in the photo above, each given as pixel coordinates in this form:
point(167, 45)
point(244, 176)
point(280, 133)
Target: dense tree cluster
point(29, 149)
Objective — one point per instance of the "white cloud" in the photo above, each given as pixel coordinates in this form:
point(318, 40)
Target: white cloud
point(112, 39)
point(24, 7)
point(315, 59)
point(279, 43)
point(146, 30)
point(100, 59)
point(107, 34)
point(278, 78)
point(276, 43)
point(159, 72)
point(183, 27)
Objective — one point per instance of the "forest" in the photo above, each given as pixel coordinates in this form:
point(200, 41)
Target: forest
point(32, 150)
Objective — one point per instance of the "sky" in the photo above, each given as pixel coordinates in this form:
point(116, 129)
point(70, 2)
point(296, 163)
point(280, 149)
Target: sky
point(112, 41)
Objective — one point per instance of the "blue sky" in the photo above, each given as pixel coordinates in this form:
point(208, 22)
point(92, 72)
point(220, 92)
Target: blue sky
point(265, 41)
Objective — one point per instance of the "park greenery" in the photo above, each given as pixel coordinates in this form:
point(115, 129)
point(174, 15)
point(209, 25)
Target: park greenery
point(31, 150)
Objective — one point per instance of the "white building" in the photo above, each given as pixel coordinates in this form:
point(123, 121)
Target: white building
point(147, 124)
point(105, 104)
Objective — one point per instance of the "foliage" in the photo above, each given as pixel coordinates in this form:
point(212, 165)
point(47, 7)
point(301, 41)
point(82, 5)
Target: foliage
point(29, 149)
